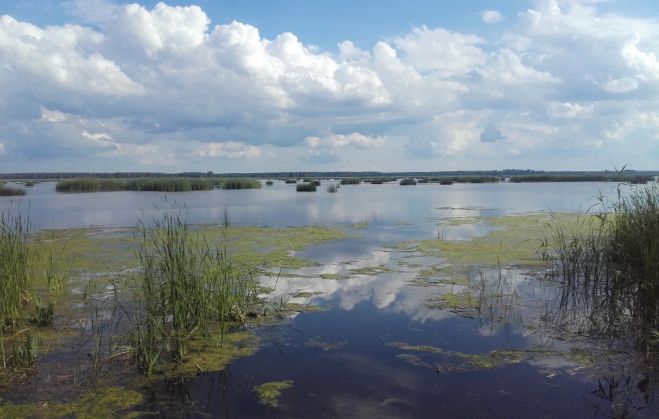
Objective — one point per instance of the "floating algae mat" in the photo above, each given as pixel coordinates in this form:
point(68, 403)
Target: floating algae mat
point(355, 314)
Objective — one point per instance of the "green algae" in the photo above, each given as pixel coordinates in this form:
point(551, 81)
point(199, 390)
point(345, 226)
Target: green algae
point(416, 348)
point(270, 248)
point(370, 270)
point(316, 342)
point(269, 393)
point(105, 402)
point(456, 361)
point(306, 294)
point(516, 240)
point(301, 308)
point(439, 275)
point(460, 302)
point(334, 277)
point(214, 354)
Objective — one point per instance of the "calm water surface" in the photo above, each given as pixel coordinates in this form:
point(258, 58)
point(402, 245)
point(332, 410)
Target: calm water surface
point(347, 361)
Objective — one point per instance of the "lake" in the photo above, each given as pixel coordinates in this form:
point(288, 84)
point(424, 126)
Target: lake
point(420, 310)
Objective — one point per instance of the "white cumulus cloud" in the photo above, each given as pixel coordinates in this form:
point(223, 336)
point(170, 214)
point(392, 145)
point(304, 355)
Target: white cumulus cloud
point(492, 16)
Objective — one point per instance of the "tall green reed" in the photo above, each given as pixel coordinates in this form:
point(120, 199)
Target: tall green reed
point(185, 289)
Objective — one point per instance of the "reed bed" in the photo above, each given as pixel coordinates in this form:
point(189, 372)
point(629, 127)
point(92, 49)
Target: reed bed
point(240, 183)
point(609, 267)
point(154, 184)
point(351, 181)
point(10, 191)
point(18, 346)
point(186, 289)
point(613, 177)
point(407, 182)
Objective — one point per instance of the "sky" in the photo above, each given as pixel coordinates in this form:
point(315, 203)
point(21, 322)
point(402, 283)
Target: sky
point(326, 85)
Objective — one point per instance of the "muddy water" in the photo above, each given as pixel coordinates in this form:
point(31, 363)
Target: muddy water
point(394, 331)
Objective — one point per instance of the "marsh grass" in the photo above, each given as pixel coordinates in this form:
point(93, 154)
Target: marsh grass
point(10, 191)
point(407, 182)
point(241, 183)
point(305, 187)
point(332, 188)
point(351, 181)
point(185, 290)
point(609, 268)
point(612, 177)
point(18, 257)
point(143, 184)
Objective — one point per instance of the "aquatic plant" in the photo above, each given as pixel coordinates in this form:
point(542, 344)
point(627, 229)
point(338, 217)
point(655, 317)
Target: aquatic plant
point(290, 181)
point(305, 187)
point(610, 271)
point(15, 279)
point(332, 188)
point(269, 393)
point(269, 183)
point(150, 184)
point(241, 183)
point(583, 177)
point(407, 181)
point(184, 288)
point(351, 181)
point(10, 191)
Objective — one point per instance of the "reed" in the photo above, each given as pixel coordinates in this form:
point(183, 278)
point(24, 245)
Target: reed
point(351, 181)
point(305, 187)
point(10, 191)
point(185, 287)
point(241, 183)
point(332, 188)
point(609, 267)
point(407, 182)
point(141, 184)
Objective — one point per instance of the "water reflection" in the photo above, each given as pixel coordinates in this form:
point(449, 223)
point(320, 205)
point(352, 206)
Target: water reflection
point(281, 206)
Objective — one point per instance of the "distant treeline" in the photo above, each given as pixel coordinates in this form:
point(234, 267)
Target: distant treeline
point(586, 177)
point(507, 173)
point(153, 184)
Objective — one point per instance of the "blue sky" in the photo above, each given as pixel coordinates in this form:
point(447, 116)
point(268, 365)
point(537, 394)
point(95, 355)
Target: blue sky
point(328, 85)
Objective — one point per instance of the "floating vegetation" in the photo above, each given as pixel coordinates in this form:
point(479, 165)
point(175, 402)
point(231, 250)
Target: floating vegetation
point(443, 360)
point(334, 276)
point(464, 302)
point(269, 393)
point(514, 241)
point(370, 270)
point(97, 403)
point(269, 183)
point(316, 342)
